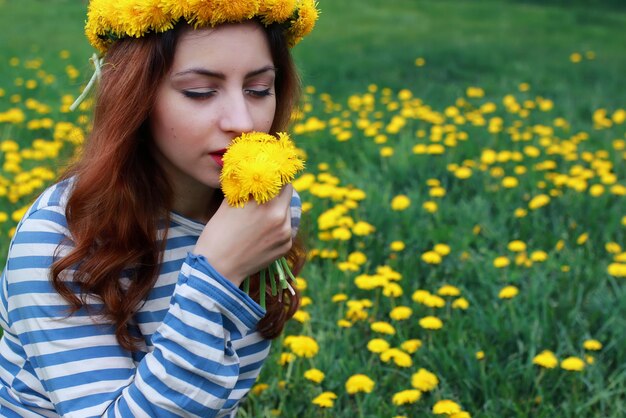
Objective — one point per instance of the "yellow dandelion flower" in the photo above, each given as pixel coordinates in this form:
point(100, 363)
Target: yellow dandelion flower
point(448, 290)
point(406, 397)
point(546, 359)
point(517, 246)
point(302, 345)
point(377, 345)
point(538, 201)
point(582, 238)
point(424, 380)
point(434, 301)
point(357, 257)
point(501, 262)
point(399, 357)
point(314, 375)
point(359, 383)
point(508, 292)
point(259, 388)
point(480, 355)
point(400, 313)
point(286, 358)
point(400, 203)
point(446, 407)
point(442, 249)
point(420, 295)
point(325, 400)
point(339, 297)
point(258, 165)
point(593, 345)
point(302, 316)
point(431, 322)
point(432, 207)
point(397, 246)
point(431, 257)
point(462, 414)
point(573, 364)
point(538, 256)
point(411, 346)
point(383, 328)
point(460, 303)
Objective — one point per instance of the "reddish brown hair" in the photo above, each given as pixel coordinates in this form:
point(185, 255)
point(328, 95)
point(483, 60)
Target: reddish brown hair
point(120, 196)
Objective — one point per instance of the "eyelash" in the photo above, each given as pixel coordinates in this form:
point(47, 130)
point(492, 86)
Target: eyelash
point(207, 94)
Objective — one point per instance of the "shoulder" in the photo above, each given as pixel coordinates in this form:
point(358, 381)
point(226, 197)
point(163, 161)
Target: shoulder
point(48, 211)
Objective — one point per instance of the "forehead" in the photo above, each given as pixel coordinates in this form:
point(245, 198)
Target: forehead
point(243, 43)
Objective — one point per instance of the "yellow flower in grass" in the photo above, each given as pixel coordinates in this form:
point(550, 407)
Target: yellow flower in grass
point(462, 414)
point(573, 364)
point(301, 345)
point(359, 383)
point(431, 322)
point(397, 246)
point(460, 303)
point(302, 316)
point(538, 201)
point(286, 358)
point(400, 313)
point(259, 388)
point(431, 257)
point(517, 246)
point(434, 301)
point(446, 407)
point(399, 357)
point(448, 290)
point(383, 328)
point(258, 165)
point(314, 375)
point(442, 249)
point(339, 297)
point(377, 345)
point(432, 207)
point(480, 355)
point(501, 262)
point(592, 345)
point(400, 202)
point(424, 380)
point(325, 400)
point(411, 346)
point(508, 292)
point(546, 359)
point(406, 397)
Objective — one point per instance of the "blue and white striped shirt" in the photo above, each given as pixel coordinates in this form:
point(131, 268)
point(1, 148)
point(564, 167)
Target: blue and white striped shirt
point(201, 355)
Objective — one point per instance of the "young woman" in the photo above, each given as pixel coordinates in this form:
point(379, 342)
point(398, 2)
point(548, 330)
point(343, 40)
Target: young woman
point(121, 294)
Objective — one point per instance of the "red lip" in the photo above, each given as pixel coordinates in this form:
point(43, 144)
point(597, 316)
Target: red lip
point(218, 157)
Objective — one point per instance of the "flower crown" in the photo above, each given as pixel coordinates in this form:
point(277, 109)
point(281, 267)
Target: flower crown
point(108, 20)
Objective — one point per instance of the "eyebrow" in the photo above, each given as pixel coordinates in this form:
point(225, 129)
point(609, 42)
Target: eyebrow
point(222, 76)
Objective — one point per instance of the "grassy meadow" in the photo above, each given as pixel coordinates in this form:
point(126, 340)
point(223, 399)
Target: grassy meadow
point(463, 198)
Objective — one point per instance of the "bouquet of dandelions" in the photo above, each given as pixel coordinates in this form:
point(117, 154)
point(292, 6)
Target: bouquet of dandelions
point(256, 166)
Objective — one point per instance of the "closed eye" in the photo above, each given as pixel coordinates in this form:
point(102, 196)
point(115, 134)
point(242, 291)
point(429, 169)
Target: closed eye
point(195, 94)
point(259, 93)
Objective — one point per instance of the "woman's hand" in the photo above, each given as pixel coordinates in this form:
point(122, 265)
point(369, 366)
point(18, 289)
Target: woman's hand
point(239, 242)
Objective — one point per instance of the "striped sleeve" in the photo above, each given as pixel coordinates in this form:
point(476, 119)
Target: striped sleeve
point(192, 371)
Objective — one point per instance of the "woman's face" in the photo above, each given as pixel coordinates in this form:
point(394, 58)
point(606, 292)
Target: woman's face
point(221, 84)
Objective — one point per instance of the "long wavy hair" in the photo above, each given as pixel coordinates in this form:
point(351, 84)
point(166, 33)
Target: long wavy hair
point(120, 196)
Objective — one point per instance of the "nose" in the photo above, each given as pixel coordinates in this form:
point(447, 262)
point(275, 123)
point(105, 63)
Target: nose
point(236, 115)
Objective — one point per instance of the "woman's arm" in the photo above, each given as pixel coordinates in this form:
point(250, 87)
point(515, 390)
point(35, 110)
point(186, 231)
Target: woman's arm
point(79, 364)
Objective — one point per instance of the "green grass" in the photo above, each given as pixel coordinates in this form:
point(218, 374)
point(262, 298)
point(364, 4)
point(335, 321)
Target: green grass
point(495, 45)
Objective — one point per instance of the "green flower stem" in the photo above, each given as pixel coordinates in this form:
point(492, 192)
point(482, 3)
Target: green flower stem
point(272, 272)
point(262, 290)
